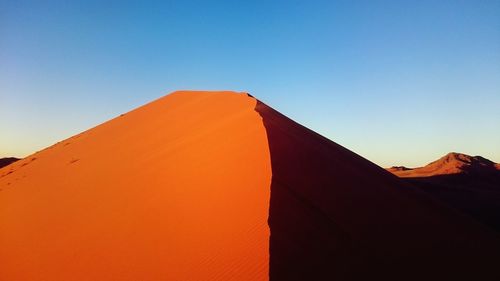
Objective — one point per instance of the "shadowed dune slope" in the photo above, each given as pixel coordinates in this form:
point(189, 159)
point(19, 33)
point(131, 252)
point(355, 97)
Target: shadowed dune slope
point(175, 190)
point(219, 186)
point(337, 216)
point(470, 184)
point(475, 194)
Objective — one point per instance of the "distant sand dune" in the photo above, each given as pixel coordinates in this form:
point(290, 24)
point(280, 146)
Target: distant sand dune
point(7, 161)
point(451, 163)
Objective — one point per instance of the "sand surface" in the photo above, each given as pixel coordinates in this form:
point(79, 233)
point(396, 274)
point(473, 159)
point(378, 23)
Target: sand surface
point(336, 216)
point(467, 183)
point(175, 190)
point(183, 189)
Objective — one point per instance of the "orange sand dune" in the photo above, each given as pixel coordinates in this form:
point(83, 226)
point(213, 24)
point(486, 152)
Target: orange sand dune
point(183, 188)
point(175, 190)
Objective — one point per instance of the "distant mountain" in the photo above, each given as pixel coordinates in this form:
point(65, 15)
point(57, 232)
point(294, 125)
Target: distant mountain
point(7, 160)
point(451, 163)
point(467, 183)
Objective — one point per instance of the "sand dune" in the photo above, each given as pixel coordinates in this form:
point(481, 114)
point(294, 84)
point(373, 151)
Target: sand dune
point(451, 163)
point(219, 186)
point(336, 216)
point(175, 190)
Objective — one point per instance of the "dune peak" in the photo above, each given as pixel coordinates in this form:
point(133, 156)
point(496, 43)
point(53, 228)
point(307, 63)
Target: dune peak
point(216, 185)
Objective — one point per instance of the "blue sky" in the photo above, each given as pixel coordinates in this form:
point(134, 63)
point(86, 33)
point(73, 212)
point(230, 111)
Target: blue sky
point(399, 82)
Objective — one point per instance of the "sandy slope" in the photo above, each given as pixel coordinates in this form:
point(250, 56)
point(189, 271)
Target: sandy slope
point(470, 184)
point(175, 190)
point(182, 189)
point(337, 216)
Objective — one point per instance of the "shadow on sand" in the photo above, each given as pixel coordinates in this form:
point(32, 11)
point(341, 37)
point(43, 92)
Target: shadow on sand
point(336, 216)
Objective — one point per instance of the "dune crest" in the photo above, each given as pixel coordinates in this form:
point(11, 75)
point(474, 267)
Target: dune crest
point(175, 190)
point(219, 186)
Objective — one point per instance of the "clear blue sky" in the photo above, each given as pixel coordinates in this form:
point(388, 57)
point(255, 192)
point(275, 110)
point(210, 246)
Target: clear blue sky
point(399, 82)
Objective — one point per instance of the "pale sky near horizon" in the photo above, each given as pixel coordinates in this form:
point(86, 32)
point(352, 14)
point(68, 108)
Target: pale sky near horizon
point(398, 82)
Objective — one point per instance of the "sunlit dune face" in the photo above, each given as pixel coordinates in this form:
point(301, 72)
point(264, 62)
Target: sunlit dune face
point(175, 190)
point(219, 186)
